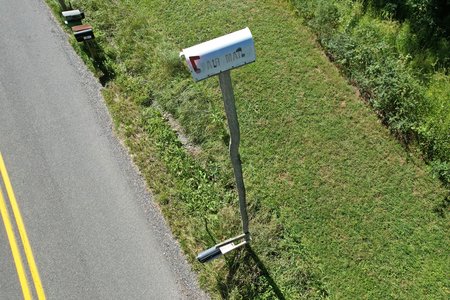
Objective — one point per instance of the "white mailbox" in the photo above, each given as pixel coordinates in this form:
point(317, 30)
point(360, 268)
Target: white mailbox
point(75, 15)
point(220, 54)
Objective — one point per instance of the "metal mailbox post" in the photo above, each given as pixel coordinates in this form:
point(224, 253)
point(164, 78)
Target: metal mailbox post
point(218, 57)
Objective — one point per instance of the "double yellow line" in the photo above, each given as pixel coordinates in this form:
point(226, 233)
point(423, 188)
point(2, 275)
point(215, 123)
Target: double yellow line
point(23, 236)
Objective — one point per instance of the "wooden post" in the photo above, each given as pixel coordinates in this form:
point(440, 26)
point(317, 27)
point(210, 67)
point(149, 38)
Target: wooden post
point(233, 124)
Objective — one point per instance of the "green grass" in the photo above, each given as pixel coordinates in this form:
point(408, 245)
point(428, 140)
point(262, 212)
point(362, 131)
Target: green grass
point(338, 208)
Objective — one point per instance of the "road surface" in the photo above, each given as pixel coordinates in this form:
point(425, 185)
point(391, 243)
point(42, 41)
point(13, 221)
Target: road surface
point(92, 229)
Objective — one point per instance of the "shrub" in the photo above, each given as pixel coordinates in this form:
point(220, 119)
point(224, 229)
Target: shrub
point(435, 128)
point(429, 21)
point(392, 61)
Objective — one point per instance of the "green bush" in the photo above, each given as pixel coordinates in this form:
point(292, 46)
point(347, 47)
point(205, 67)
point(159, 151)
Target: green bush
point(434, 131)
point(391, 49)
point(429, 21)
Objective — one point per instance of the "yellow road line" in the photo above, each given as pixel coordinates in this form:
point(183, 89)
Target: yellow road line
point(14, 249)
point(23, 234)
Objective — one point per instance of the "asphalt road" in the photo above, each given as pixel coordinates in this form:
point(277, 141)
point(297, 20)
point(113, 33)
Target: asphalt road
point(93, 229)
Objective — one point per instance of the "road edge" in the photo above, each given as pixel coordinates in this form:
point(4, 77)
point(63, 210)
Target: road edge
point(187, 278)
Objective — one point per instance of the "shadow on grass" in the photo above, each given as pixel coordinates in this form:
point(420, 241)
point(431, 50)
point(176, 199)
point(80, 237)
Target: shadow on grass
point(257, 281)
point(265, 273)
point(95, 52)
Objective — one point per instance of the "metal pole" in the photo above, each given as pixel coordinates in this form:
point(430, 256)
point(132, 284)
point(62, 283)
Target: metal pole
point(233, 124)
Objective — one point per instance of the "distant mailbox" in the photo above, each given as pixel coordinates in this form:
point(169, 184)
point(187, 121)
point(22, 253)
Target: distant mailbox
point(75, 15)
point(220, 54)
point(81, 27)
point(83, 33)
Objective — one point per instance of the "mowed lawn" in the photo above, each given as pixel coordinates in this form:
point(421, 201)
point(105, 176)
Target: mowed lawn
point(338, 208)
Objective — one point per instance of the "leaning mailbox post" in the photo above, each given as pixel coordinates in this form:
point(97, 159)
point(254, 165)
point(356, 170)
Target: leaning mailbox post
point(218, 57)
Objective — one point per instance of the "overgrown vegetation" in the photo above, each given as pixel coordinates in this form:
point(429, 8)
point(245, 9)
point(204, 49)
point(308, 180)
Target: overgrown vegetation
point(337, 208)
point(398, 54)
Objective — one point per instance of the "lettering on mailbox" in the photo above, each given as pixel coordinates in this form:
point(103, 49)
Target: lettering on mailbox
point(238, 54)
point(220, 54)
point(213, 63)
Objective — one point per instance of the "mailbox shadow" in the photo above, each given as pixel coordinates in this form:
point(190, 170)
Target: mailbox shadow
point(254, 265)
point(97, 55)
point(265, 273)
